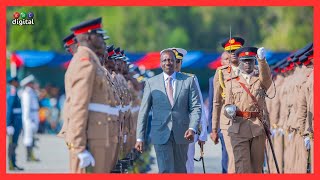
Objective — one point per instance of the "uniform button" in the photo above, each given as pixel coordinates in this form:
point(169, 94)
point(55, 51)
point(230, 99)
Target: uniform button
point(99, 122)
point(109, 119)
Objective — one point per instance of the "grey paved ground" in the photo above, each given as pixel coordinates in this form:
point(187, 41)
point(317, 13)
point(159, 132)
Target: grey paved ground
point(54, 158)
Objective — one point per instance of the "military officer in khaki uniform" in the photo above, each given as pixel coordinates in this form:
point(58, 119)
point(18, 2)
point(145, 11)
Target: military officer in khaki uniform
point(121, 93)
point(285, 115)
point(245, 107)
point(303, 104)
point(282, 117)
point(300, 154)
point(222, 73)
point(274, 115)
point(90, 121)
point(126, 97)
point(134, 91)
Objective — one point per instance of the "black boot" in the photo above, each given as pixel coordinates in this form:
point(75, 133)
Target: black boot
point(30, 155)
point(12, 158)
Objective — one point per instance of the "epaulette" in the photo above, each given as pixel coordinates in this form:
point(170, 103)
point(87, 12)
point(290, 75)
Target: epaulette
point(223, 67)
point(188, 74)
point(226, 67)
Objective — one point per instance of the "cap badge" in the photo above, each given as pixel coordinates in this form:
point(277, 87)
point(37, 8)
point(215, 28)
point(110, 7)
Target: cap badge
point(232, 41)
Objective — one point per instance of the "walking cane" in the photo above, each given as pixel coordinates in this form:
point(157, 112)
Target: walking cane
point(201, 158)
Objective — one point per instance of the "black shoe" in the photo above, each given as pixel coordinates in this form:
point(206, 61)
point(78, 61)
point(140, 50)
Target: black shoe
point(33, 159)
point(15, 168)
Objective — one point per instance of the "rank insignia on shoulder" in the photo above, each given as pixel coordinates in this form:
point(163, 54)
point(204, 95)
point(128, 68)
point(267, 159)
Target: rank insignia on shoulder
point(224, 67)
point(188, 74)
point(236, 77)
point(84, 59)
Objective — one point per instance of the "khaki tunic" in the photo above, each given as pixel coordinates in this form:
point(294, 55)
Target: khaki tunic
point(85, 83)
point(248, 136)
point(135, 106)
point(305, 101)
point(218, 119)
point(301, 155)
point(274, 114)
point(310, 119)
point(127, 112)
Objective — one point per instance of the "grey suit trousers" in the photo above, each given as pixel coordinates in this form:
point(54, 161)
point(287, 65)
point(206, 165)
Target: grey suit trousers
point(171, 157)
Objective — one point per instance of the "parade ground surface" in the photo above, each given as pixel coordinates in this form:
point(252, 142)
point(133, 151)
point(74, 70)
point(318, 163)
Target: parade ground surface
point(54, 157)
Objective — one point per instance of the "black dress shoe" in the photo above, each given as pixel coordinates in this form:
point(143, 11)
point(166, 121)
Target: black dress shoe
point(16, 168)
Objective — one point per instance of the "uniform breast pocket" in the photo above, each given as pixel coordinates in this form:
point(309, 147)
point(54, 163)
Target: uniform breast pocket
point(100, 78)
point(237, 93)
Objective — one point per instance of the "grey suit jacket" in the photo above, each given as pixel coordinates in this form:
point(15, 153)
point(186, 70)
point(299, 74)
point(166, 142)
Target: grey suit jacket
point(185, 113)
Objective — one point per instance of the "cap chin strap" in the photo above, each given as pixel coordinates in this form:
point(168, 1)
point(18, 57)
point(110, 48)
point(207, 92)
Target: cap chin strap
point(244, 58)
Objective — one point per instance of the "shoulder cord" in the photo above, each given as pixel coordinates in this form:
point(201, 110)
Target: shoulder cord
point(223, 86)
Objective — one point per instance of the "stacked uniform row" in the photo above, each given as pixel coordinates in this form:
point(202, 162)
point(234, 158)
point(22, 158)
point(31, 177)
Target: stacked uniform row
point(291, 112)
point(103, 92)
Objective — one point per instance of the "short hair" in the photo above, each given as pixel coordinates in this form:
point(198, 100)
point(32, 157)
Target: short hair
point(168, 51)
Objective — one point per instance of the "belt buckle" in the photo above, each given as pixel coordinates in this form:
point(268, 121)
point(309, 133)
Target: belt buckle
point(247, 115)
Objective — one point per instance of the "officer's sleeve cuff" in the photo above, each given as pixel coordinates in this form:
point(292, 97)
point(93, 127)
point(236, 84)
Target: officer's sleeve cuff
point(139, 140)
point(193, 130)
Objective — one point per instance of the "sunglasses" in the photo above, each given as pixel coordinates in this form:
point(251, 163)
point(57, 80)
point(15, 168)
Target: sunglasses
point(178, 60)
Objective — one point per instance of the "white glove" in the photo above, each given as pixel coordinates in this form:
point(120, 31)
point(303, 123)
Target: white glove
point(273, 132)
point(261, 53)
point(290, 136)
point(280, 130)
point(125, 138)
point(86, 159)
point(10, 130)
point(307, 142)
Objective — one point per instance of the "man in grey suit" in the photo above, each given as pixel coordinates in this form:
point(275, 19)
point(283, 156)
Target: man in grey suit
point(176, 108)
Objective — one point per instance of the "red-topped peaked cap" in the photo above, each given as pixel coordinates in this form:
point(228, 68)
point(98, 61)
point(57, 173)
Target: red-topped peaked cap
point(246, 53)
point(89, 26)
point(69, 40)
point(232, 43)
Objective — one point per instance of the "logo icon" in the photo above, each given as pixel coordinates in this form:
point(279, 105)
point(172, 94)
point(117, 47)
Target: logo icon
point(23, 15)
point(30, 15)
point(16, 15)
point(23, 18)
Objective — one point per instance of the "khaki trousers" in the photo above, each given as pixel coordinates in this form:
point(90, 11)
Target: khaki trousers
point(227, 141)
point(248, 153)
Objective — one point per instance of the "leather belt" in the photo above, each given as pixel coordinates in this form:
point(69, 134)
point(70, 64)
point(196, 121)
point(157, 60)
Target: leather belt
point(104, 108)
point(247, 114)
point(125, 108)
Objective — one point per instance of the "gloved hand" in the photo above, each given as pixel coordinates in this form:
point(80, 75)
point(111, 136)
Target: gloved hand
point(273, 132)
point(261, 53)
point(307, 142)
point(86, 159)
point(10, 130)
point(290, 135)
point(280, 131)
